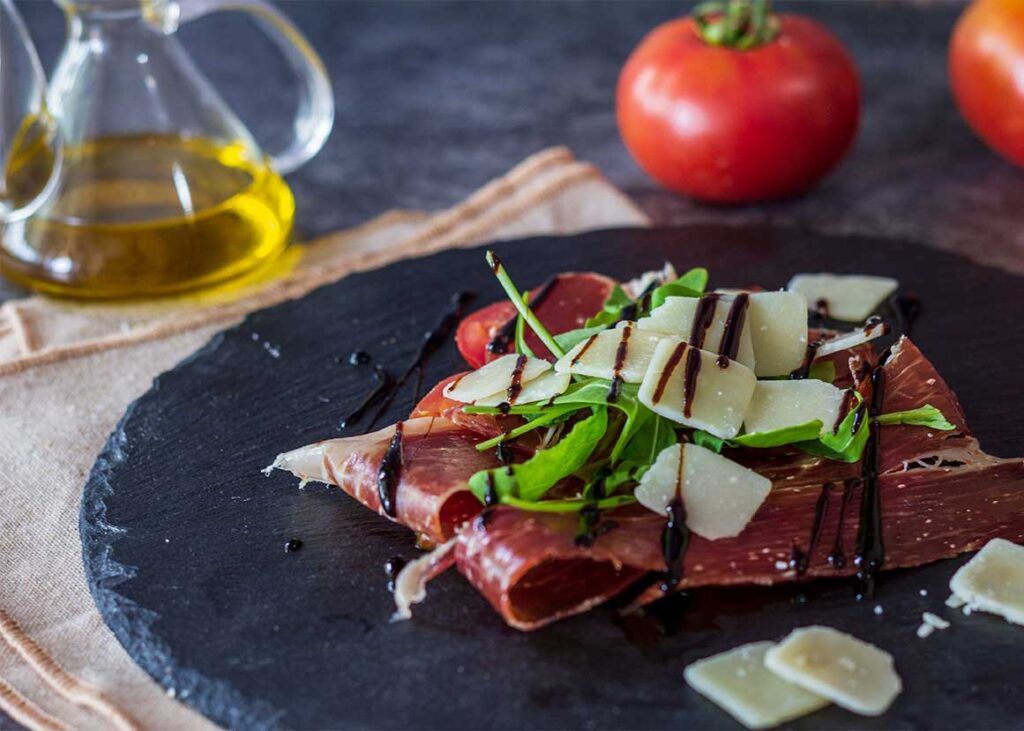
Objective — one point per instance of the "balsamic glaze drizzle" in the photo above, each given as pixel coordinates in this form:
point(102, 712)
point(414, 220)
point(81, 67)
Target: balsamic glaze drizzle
point(641, 304)
point(390, 472)
point(703, 316)
point(692, 368)
point(385, 382)
point(590, 526)
point(907, 307)
point(800, 560)
point(491, 492)
point(392, 568)
point(844, 409)
point(515, 386)
point(675, 538)
point(666, 374)
point(584, 349)
point(729, 346)
point(819, 314)
point(620, 360)
point(357, 358)
point(505, 334)
point(805, 368)
point(433, 339)
point(870, 554)
point(836, 558)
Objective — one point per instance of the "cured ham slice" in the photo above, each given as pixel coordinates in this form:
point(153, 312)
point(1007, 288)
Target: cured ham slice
point(432, 496)
point(531, 569)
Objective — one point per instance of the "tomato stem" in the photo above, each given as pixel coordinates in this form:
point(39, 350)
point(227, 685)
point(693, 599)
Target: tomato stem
point(739, 24)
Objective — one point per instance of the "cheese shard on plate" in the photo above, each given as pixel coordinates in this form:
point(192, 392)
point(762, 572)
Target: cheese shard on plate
point(780, 404)
point(495, 378)
point(777, 322)
point(542, 388)
point(849, 672)
point(720, 496)
point(688, 386)
point(739, 682)
point(675, 318)
point(993, 581)
point(849, 297)
point(624, 346)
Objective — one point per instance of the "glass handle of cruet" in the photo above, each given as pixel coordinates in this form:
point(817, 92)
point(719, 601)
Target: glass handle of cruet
point(315, 115)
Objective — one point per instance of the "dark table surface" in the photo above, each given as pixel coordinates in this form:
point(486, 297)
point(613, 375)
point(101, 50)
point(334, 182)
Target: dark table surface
point(436, 98)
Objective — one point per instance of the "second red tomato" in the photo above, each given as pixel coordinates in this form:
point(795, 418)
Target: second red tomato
point(733, 125)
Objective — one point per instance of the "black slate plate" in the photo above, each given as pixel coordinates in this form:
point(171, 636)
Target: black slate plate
point(183, 538)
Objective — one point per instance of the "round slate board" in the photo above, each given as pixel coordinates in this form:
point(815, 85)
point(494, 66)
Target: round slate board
point(183, 538)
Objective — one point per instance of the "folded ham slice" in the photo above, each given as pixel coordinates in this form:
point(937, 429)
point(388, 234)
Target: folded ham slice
point(940, 494)
point(432, 496)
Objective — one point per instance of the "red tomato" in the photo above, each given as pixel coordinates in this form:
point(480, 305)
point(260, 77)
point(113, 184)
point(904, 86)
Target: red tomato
point(733, 126)
point(986, 72)
point(569, 301)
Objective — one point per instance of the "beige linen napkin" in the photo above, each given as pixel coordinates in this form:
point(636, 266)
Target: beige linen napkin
point(67, 374)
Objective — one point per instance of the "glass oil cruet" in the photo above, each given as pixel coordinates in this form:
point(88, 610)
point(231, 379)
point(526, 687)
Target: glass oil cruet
point(161, 188)
point(29, 145)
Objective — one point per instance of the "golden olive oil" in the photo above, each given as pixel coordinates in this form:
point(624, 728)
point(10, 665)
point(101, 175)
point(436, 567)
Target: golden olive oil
point(151, 214)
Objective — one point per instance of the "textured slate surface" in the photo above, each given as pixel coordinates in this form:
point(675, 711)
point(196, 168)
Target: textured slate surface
point(184, 538)
point(436, 98)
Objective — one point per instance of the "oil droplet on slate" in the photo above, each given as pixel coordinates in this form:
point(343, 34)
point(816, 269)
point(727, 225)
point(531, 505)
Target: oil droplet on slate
point(293, 545)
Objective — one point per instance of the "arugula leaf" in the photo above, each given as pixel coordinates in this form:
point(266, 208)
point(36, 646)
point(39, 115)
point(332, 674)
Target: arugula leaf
point(572, 505)
point(594, 392)
point(709, 441)
point(521, 346)
point(571, 339)
point(649, 438)
point(517, 300)
point(810, 430)
point(843, 445)
point(823, 370)
point(529, 480)
point(761, 440)
point(546, 418)
point(612, 309)
point(691, 284)
point(926, 415)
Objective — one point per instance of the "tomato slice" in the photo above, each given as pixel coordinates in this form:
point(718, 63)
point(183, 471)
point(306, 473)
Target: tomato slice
point(564, 304)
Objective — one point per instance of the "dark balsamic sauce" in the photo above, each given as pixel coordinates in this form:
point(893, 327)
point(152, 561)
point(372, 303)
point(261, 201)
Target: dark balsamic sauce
point(836, 557)
point(491, 492)
point(799, 560)
point(729, 346)
point(641, 304)
point(504, 335)
point(702, 319)
point(805, 368)
point(503, 452)
point(385, 383)
point(515, 387)
point(670, 365)
point(907, 308)
point(844, 409)
point(819, 315)
point(590, 525)
point(675, 538)
point(433, 339)
point(692, 369)
point(357, 358)
point(620, 360)
point(584, 349)
point(293, 545)
point(392, 568)
point(870, 555)
point(390, 472)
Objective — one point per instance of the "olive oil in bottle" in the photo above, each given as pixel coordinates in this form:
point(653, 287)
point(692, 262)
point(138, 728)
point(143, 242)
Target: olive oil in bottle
point(141, 215)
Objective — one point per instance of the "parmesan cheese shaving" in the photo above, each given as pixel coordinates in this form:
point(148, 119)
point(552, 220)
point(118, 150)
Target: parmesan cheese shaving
point(993, 581)
point(850, 672)
point(494, 378)
point(740, 684)
point(849, 297)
